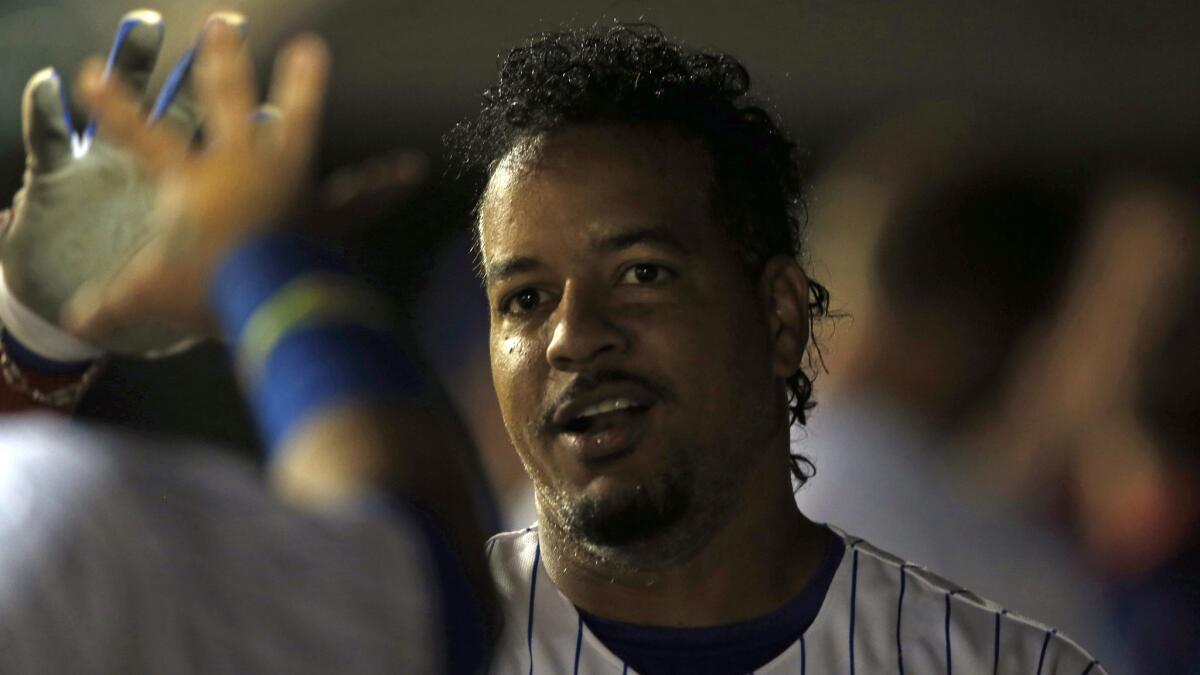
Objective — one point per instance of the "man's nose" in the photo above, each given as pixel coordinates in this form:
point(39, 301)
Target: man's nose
point(584, 331)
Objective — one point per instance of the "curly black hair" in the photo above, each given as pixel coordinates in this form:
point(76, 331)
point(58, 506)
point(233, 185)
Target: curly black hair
point(633, 74)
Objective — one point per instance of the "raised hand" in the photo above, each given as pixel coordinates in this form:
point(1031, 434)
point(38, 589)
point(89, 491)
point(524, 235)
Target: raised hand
point(244, 180)
point(85, 203)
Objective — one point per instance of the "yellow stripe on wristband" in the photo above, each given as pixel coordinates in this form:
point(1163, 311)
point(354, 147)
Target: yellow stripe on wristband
point(303, 302)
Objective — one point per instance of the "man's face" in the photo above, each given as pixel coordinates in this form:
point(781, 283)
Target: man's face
point(629, 350)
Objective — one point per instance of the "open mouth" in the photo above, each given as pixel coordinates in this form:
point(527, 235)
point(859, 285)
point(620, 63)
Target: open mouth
point(603, 429)
point(604, 415)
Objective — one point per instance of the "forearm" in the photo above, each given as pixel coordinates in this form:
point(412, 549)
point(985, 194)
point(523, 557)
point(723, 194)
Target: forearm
point(346, 411)
point(413, 451)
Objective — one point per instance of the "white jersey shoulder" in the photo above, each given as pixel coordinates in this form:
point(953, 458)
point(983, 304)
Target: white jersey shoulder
point(122, 555)
point(881, 615)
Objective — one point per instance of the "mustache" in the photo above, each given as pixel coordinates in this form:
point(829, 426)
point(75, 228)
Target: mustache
point(586, 382)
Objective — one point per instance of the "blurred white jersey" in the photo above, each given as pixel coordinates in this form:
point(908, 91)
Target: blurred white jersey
point(880, 615)
point(117, 556)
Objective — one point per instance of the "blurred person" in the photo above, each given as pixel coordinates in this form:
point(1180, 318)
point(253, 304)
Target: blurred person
point(1159, 599)
point(1111, 383)
point(119, 557)
point(863, 180)
point(649, 318)
point(966, 270)
point(1071, 384)
point(1076, 383)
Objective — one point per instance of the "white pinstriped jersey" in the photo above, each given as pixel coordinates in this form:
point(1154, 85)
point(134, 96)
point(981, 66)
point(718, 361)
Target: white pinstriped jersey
point(122, 556)
point(880, 615)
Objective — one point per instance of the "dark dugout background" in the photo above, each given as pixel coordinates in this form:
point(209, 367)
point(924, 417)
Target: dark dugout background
point(1051, 77)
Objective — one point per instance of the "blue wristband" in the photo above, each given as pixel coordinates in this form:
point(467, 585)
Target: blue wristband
point(327, 365)
point(326, 360)
point(257, 270)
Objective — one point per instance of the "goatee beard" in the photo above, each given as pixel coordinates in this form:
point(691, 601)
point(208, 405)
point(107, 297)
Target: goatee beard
point(630, 518)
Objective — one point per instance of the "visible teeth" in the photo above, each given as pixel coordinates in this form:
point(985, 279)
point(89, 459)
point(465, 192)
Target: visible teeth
point(606, 406)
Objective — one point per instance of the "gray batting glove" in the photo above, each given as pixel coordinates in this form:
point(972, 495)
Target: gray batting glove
point(86, 207)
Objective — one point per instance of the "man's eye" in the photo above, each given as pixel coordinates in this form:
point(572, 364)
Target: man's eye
point(645, 273)
point(525, 300)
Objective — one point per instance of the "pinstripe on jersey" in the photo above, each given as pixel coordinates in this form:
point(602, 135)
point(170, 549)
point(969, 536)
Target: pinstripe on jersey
point(880, 614)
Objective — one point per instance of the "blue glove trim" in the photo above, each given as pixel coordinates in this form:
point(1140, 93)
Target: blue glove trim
point(172, 85)
point(179, 73)
point(123, 32)
point(65, 104)
point(28, 359)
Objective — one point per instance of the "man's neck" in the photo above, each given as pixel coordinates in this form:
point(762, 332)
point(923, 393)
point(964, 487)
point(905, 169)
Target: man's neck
point(761, 558)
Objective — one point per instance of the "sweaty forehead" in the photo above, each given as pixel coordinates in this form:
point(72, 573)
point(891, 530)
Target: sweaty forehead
point(586, 181)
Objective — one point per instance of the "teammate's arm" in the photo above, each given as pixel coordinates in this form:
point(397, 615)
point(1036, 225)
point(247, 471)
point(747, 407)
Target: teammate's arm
point(348, 414)
point(349, 417)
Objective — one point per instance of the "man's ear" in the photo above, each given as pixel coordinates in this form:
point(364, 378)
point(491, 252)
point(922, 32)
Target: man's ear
point(784, 288)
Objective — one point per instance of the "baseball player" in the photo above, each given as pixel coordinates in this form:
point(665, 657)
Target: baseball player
point(649, 316)
point(640, 243)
